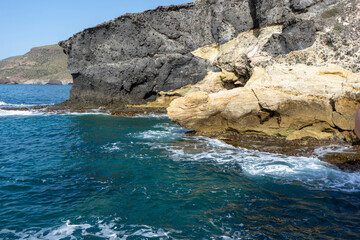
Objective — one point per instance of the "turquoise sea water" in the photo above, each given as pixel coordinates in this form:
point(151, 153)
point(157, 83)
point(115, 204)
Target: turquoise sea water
point(78, 176)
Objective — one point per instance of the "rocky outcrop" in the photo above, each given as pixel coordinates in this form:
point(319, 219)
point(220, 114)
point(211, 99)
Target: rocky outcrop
point(357, 123)
point(293, 101)
point(290, 80)
point(131, 59)
point(42, 65)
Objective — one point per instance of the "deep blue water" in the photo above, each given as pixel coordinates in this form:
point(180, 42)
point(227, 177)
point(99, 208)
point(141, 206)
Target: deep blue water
point(78, 176)
point(33, 94)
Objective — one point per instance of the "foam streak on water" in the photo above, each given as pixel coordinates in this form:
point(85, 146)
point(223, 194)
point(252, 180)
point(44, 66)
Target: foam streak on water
point(31, 112)
point(100, 229)
point(6, 113)
point(310, 171)
point(157, 116)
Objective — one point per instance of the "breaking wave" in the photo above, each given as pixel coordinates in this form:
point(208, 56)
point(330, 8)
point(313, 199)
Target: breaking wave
point(4, 104)
point(157, 116)
point(5, 113)
point(32, 112)
point(310, 171)
point(103, 230)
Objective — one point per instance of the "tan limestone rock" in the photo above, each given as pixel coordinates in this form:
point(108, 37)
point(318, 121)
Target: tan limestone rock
point(317, 131)
point(212, 83)
point(293, 101)
point(345, 113)
point(195, 112)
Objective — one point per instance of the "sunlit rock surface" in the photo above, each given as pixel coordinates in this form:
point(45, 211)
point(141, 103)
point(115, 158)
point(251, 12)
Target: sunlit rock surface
point(288, 82)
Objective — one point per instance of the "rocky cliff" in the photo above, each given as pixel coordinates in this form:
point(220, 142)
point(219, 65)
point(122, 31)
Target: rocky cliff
point(129, 60)
point(280, 67)
point(42, 65)
point(297, 79)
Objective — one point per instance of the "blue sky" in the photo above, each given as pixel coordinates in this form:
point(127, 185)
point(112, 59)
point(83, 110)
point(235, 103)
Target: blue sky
point(31, 23)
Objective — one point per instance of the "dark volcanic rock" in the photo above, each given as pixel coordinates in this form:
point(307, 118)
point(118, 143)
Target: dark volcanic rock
point(131, 59)
point(296, 35)
point(302, 5)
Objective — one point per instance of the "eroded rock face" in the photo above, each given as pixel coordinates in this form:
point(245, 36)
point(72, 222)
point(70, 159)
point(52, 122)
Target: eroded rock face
point(302, 5)
point(131, 59)
point(293, 101)
point(296, 35)
point(357, 123)
point(303, 81)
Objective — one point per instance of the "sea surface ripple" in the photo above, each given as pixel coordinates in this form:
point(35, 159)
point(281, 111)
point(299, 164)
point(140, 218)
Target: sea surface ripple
point(81, 176)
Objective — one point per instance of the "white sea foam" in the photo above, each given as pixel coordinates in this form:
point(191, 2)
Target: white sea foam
point(164, 132)
point(112, 147)
point(101, 230)
point(61, 232)
point(310, 171)
point(160, 116)
point(82, 113)
point(32, 112)
point(17, 105)
point(6, 113)
point(154, 135)
point(324, 150)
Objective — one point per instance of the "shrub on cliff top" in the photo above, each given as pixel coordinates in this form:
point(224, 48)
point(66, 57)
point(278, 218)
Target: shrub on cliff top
point(330, 13)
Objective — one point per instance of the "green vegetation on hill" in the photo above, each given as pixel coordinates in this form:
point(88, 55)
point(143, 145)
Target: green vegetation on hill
point(40, 65)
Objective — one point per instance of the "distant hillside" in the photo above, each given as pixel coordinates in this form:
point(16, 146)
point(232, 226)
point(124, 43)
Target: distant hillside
point(42, 65)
